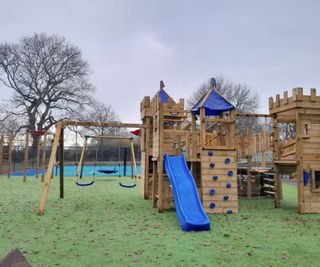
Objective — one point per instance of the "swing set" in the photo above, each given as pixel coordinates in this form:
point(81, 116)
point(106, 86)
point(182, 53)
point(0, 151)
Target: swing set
point(79, 172)
point(58, 142)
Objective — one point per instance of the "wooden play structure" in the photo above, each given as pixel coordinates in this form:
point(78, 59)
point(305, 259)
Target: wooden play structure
point(210, 145)
point(298, 156)
point(254, 177)
point(206, 136)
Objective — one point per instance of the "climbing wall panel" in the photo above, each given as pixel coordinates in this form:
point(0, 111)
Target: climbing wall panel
point(219, 181)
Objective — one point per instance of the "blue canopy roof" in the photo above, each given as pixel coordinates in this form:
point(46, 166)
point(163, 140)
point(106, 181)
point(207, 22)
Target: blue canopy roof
point(164, 97)
point(213, 103)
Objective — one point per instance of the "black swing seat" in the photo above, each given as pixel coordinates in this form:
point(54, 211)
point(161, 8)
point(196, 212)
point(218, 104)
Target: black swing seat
point(85, 184)
point(127, 185)
point(108, 171)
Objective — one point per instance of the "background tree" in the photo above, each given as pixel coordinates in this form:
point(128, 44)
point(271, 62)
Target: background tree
point(105, 148)
point(239, 94)
point(10, 126)
point(49, 80)
point(99, 112)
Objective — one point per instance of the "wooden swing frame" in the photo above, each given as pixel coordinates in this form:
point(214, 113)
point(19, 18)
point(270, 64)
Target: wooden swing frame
point(58, 141)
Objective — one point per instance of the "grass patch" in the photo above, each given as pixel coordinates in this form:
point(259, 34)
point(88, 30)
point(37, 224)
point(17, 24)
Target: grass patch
point(106, 225)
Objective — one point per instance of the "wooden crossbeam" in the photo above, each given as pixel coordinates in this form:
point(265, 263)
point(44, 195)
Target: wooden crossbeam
point(101, 124)
point(107, 137)
point(256, 115)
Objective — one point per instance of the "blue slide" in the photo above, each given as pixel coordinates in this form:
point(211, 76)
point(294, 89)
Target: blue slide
point(187, 201)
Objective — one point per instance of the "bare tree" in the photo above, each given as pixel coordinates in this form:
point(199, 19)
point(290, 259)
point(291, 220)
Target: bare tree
point(99, 112)
point(49, 80)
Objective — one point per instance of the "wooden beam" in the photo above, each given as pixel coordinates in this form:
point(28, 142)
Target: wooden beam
point(107, 137)
point(256, 115)
point(50, 170)
point(101, 124)
point(220, 120)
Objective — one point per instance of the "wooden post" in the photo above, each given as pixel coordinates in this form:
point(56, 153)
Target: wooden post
point(154, 176)
point(160, 159)
point(147, 155)
point(50, 169)
point(193, 138)
point(1, 151)
point(249, 163)
point(133, 157)
point(202, 128)
point(38, 155)
point(61, 163)
point(232, 132)
point(26, 157)
point(10, 146)
point(299, 158)
point(44, 150)
point(193, 144)
point(276, 156)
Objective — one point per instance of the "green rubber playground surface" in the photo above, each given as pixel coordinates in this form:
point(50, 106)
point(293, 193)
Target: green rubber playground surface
point(106, 225)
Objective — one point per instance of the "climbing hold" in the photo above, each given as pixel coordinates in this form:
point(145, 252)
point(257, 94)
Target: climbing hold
point(230, 173)
point(229, 211)
point(212, 164)
point(210, 153)
point(227, 160)
point(228, 185)
point(306, 176)
point(212, 205)
point(215, 177)
point(212, 192)
point(225, 198)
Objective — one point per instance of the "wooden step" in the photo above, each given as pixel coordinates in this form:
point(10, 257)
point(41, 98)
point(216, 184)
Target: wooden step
point(269, 192)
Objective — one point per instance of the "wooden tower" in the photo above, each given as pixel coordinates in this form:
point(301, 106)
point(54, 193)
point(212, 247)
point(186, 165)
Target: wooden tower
point(299, 155)
point(217, 152)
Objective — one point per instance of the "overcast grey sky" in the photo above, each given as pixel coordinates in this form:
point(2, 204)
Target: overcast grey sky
point(131, 45)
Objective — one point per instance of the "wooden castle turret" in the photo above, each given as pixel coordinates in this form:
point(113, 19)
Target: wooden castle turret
point(299, 155)
point(217, 153)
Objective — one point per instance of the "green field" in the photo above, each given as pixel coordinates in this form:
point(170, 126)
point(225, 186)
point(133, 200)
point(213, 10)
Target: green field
point(106, 225)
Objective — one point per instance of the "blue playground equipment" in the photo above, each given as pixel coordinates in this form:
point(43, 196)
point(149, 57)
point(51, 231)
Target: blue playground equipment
point(189, 209)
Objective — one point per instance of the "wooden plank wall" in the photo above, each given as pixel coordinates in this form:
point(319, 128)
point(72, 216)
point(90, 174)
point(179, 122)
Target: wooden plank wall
point(225, 197)
point(311, 161)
